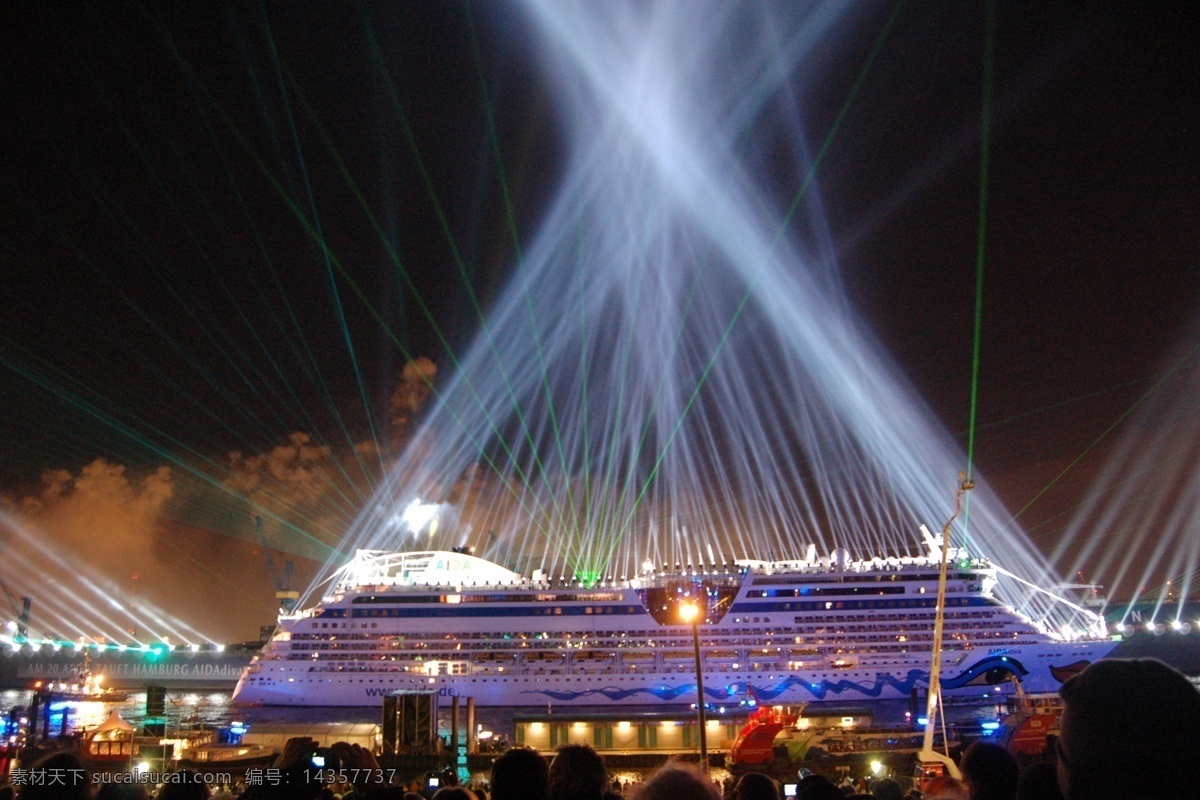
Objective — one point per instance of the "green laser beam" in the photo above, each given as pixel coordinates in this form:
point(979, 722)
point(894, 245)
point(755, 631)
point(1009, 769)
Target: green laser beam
point(309, 228)
point(985, 148)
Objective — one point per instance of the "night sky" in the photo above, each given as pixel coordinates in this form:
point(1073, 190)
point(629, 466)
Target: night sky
point(168, 170)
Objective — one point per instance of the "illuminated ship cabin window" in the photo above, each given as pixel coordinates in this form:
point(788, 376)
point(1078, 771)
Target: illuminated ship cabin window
point(807, 591)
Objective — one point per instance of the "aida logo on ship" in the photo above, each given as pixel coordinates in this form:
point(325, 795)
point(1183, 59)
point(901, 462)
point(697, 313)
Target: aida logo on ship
point(449, 565)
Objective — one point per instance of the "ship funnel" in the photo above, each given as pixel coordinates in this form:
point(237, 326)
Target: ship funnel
point(840, 558)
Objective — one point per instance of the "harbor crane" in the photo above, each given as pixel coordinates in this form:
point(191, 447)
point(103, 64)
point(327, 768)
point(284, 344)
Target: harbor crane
point(287, 597)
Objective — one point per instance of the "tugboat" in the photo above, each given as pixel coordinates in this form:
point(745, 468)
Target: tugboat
point(1030, 722)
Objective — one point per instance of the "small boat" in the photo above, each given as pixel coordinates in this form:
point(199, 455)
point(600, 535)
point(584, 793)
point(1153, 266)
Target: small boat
point(229, 754)
point(111, 741)
point(882, 739)
point(116, 741)
point(1029, 721)
point(84, 686)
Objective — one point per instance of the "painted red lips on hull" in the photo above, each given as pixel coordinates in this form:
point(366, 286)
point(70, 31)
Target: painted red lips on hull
point(1064, 674)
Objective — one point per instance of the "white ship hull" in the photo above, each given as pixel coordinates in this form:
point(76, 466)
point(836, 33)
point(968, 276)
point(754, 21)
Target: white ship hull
point(720, 688)
point(776, 633)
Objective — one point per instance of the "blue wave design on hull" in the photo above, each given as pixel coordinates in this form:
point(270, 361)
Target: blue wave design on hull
point(664, 693)
point(904, 686)
point(821, 690)
point(979, 669)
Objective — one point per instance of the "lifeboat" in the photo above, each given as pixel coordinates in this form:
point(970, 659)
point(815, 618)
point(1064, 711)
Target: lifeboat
point(543, 659)
point(495, 659)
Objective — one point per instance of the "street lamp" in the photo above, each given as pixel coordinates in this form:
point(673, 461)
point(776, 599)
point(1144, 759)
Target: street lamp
point(689, 612)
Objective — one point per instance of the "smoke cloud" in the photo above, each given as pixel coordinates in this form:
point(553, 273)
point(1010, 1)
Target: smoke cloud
point(409, 399)
point(110, 550)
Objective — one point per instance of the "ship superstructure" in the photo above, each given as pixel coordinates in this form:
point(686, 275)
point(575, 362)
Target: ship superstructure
point(775, 632)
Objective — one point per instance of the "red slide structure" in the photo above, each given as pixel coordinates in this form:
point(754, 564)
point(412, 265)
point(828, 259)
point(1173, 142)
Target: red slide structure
point(753, 745)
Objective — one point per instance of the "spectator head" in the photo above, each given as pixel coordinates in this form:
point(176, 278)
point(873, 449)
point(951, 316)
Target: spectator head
point(677, 781)
point(818, 787)
point(990, 772)
point(946, 788)
point(1039, 782)
point(60, 776)
point(756, 786)
point(123, 791)
point(886, 789)
point(453, 793)
point(520, 774)
point(577, 773)
point(1130, 728)
point(184, 785)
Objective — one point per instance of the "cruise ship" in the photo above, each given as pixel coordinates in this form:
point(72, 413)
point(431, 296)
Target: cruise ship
point(770, 632)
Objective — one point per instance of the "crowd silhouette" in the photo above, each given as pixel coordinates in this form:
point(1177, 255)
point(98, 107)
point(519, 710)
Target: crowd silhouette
point(1130, 730)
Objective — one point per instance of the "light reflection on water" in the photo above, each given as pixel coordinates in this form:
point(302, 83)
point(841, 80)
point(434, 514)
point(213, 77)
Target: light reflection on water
point(189, 708)
point(186, 709)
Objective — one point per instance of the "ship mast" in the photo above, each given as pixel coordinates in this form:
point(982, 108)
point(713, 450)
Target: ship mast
point(928, 754)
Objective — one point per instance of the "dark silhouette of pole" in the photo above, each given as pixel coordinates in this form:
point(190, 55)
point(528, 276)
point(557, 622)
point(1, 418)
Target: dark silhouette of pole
point(691, 612)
